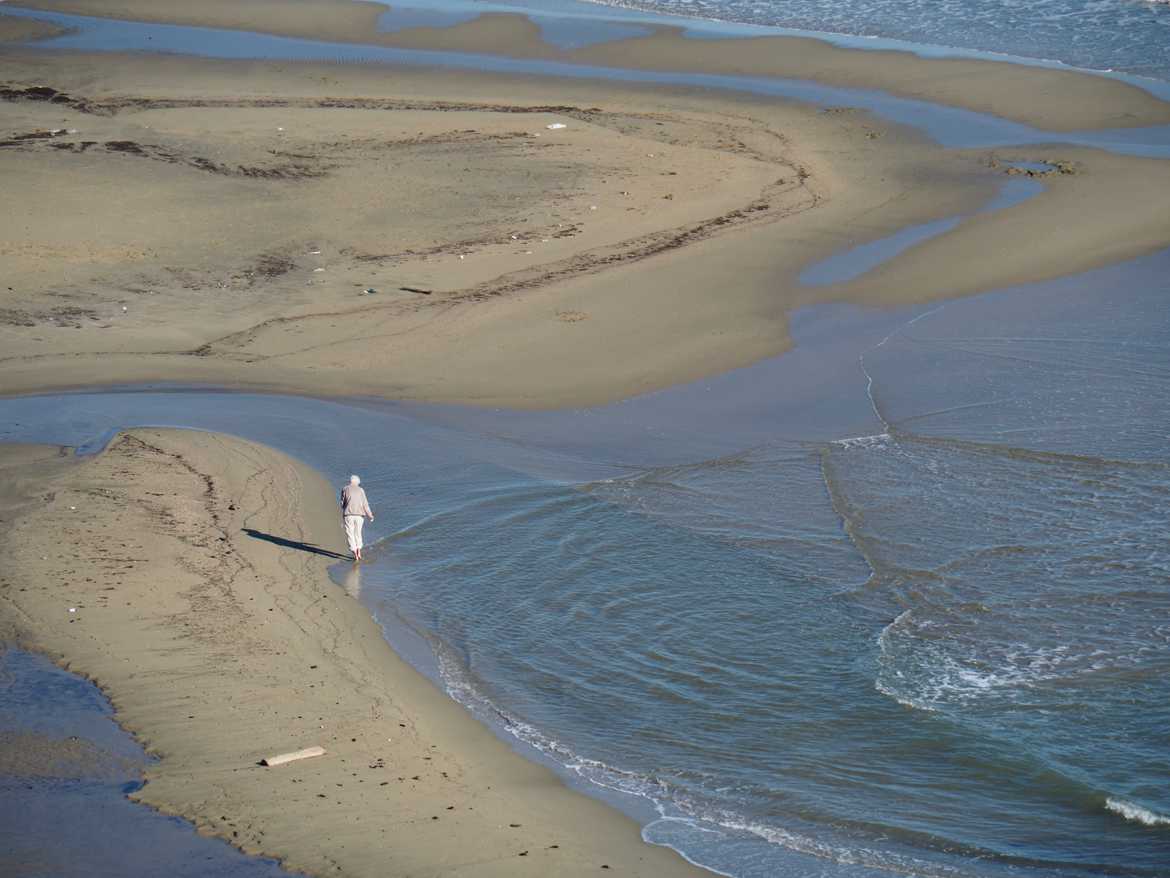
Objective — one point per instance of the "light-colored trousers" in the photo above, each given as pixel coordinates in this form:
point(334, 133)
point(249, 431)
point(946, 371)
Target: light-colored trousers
point(353, 531)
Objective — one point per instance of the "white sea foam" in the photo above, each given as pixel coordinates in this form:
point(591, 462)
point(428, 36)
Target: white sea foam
point(464, 691)
point(878, 440)
point(673, 804)
point(939, 678)
point(903, 699)
point(923, 667)
point(859, 856)
point(1136, 813)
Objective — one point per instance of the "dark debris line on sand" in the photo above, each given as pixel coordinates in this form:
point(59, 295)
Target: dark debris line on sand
point(287, 171)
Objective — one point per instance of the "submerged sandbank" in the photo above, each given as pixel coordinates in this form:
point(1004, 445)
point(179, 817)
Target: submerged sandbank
point(23, 30)
point(196, 565)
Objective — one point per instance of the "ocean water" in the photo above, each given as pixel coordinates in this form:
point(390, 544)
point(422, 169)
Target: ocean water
point(1125, 35)
point(941, 648)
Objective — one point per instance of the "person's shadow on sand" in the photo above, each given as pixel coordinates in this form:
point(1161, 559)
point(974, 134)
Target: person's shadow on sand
point(292, 544)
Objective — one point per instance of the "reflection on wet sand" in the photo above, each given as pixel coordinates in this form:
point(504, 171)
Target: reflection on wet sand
point(352, 581)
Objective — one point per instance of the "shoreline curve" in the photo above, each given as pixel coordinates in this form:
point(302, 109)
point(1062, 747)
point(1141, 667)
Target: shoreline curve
point(218, 647)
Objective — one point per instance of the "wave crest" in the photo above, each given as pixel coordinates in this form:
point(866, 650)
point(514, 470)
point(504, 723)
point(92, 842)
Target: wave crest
point(1136, 813)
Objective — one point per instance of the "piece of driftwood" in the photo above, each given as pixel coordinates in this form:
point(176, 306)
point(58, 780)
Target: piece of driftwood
point(418, 290)
point(307, 753)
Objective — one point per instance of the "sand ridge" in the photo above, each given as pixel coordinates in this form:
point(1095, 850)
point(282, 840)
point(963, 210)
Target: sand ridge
point(196, 566)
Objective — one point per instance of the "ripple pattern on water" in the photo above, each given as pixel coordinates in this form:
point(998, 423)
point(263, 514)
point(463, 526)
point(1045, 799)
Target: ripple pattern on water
point(1125, 35)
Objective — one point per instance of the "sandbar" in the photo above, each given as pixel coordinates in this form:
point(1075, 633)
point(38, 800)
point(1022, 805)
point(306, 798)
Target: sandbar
point(425, 235)
point(195, 564)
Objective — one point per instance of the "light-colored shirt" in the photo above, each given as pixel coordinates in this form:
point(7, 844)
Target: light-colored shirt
point(354, 502)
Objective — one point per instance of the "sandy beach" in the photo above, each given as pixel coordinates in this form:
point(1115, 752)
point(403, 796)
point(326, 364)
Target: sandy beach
point(195, 564)
point(445, 236)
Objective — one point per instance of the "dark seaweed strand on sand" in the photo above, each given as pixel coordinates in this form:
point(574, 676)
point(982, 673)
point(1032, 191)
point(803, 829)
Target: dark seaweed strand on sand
point(47, 94)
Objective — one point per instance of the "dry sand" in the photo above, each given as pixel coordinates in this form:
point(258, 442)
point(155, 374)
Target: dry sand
point(203, 221)
point(1053, 99)
point(219, 643)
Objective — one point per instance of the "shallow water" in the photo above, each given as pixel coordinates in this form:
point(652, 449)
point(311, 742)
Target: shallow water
point(1129, 35)
point(1106, 35)
point(81, 823)
point(924, 630)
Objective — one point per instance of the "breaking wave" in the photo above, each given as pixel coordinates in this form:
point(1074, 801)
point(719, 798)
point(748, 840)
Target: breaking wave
point(1136, 813)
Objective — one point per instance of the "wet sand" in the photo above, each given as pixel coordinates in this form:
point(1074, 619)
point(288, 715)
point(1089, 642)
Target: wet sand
point(196, 566)
point(20, 30)
point(220, 222)
point(30, 755)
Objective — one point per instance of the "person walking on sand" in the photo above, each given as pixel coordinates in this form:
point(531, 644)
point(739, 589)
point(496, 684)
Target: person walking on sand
point(355, 509)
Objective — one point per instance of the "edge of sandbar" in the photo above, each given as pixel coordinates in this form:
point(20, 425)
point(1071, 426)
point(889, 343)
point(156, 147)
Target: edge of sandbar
point(217, 648)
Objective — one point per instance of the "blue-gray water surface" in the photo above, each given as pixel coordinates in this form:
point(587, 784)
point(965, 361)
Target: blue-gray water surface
point(1129, 35)
point(61, 823)
point(896, 604)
